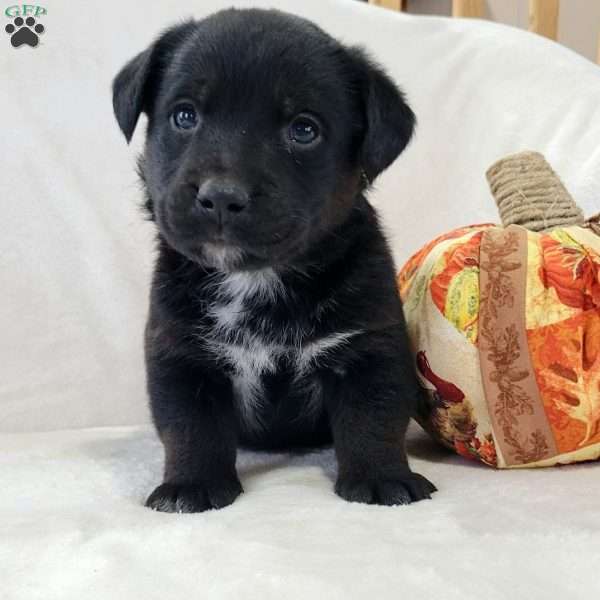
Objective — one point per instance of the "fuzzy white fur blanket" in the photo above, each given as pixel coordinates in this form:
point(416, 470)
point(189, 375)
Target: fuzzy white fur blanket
point(72, 526)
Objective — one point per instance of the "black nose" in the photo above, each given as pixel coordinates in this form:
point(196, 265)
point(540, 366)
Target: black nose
point(221, 200)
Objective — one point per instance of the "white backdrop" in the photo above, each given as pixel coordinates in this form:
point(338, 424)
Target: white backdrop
point(75, 254)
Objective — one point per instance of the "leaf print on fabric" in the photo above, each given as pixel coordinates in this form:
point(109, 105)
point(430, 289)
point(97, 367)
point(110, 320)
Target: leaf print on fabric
point(455, 287)
point(412, 265)
point(543, 307)
point(571, 269)
point(566, 359)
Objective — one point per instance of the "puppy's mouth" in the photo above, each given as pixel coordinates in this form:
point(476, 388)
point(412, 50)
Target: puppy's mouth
point(228, 248)
point(225, 251)
point(220, 256)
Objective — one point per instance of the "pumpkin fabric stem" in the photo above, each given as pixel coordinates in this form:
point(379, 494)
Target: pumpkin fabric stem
point(529, 193)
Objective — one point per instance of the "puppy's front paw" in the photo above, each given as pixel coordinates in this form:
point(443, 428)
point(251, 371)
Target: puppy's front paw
point(401, 489)
point(191, 498)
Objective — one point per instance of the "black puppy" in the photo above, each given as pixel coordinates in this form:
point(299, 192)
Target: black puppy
point(274, 317)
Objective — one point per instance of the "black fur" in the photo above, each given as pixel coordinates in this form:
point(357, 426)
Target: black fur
point(322, 333)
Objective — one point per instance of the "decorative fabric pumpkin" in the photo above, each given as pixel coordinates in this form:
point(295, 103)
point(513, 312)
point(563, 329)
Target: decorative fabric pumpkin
point(505, 324)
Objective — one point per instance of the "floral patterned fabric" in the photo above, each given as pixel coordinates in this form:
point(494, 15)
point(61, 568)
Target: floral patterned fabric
point(505, 325)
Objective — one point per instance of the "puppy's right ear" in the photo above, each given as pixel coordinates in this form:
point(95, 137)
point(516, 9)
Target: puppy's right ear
point(136, 84)
point(129, 92)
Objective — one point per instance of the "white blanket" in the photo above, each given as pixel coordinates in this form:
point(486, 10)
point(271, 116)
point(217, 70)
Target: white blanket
point(75, 258)
point(72, 527)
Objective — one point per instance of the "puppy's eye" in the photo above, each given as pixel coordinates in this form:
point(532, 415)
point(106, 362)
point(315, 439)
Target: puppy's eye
point(304, 130)
point(185, 117)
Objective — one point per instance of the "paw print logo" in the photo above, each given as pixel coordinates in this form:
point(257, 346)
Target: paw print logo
point(24, 32)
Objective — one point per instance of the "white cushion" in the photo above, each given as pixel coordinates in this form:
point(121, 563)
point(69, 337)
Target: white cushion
point(76, 254)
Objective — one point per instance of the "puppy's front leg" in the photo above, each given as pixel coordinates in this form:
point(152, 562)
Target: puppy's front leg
point(194, 415)
point(369, 418)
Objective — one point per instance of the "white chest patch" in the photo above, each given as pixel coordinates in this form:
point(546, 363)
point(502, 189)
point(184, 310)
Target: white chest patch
point(252, 354)
point(236, 292)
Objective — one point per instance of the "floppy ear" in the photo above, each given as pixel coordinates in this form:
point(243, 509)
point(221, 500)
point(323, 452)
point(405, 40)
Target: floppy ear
point(129, 92)
point(135, 84)
point(390, 122)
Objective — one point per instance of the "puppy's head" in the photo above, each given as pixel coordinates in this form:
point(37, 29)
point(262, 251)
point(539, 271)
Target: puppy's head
point(261, 131)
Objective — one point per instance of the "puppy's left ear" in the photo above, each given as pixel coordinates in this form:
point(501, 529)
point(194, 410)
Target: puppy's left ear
point(389, 121)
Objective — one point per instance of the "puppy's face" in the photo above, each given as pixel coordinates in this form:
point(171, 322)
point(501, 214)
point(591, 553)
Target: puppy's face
point(261, 129)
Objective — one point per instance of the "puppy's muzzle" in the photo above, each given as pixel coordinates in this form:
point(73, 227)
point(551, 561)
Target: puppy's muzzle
point(221, 201)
